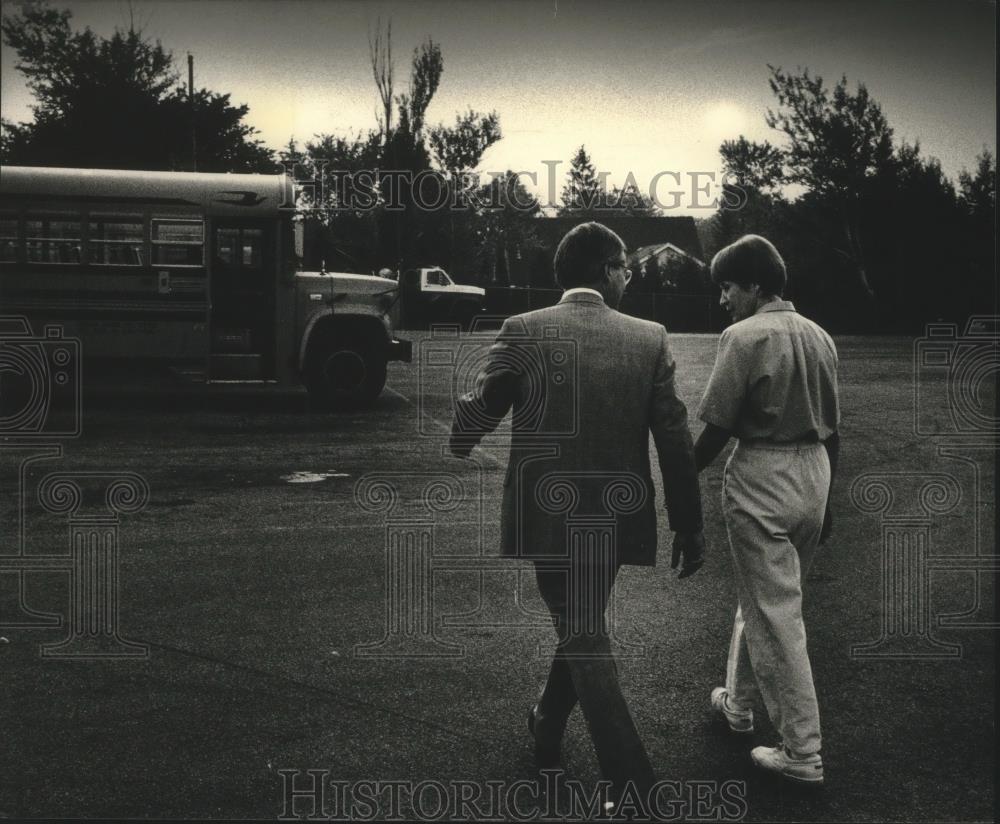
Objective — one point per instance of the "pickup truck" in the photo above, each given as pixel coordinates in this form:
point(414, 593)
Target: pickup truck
point(428, 296)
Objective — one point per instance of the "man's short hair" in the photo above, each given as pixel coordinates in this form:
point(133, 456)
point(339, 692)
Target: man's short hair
point(582, 254)
point(751, 259)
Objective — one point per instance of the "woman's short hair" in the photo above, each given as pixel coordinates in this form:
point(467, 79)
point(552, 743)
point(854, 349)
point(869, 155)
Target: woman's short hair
point(582, 254)
point(751, 259)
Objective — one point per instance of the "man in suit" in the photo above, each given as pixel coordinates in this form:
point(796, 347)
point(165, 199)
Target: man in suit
point(587, 385)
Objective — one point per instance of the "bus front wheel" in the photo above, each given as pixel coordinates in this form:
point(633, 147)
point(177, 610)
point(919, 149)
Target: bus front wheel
point(340, 375)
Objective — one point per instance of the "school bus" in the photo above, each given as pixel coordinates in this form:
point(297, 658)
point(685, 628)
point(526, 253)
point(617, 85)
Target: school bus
point(193, 271)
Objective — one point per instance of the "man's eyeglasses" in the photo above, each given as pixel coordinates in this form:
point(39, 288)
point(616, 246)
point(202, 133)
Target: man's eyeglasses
point(614, 264)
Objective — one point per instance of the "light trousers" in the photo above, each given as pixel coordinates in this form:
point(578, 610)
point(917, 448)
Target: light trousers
point(774, 499)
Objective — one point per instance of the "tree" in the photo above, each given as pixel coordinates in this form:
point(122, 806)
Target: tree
point(752, 201)
point(583, 193)
point(459, 148)
point(977, 199)
point(107, 102)
point(404, 154)
point(410, 166)
point(339, 216)
point(586, 195)
point(61, 65)
point(838, 142)
point(751, 164)
point(630, 201)
point(978, 191)
point(505, 230)
point(425, 75)
point(383, 71)
point(224, 142)
point(886, 216)
point(409, 231)
point(913, 221)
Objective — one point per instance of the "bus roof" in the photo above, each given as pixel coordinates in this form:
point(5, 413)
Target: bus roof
point(258, 195)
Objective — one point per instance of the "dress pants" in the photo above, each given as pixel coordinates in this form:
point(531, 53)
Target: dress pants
point(583, 669)
point(774, 498)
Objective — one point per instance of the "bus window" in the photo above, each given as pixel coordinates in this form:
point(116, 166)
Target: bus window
point(115, 242)
point(8, 239)
point(226, 241)
point(52, 240)
point(239, 248)
point(178, 242)
point(252, 239)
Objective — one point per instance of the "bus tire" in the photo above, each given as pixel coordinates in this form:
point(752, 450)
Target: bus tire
point(342, 375)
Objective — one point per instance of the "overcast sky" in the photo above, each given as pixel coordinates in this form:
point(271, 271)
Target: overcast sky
point(647, 86)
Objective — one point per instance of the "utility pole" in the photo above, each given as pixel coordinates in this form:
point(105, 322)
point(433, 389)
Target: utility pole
point(194, 140)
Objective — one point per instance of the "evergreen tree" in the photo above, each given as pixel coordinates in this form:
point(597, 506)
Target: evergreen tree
point(583, 193)
point(630, 201)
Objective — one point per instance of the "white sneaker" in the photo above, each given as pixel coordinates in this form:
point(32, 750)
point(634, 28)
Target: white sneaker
point(740, 721)
point(806, 769)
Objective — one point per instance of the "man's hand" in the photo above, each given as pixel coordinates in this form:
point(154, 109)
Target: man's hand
point(690, 546)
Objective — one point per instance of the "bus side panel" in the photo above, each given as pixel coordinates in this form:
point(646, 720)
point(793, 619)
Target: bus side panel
point(173, 341)
point(129, 306)
point(116, 322)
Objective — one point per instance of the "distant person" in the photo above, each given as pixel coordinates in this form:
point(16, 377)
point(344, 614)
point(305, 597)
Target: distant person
point(774, 387)
point(624, 389)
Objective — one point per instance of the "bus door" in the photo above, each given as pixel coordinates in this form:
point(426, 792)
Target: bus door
point(243, 292)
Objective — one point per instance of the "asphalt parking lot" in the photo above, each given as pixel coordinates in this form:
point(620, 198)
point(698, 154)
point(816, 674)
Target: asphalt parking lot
point(255, 579)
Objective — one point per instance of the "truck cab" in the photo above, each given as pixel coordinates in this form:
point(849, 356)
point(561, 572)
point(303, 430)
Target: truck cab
point(429, 295)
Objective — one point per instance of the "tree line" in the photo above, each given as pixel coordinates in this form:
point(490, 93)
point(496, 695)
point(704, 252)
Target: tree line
point(877, 238)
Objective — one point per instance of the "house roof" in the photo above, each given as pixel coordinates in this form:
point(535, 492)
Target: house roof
point(644, 253)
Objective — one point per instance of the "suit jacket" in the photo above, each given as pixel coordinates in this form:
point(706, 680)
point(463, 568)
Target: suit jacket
point(587, 385)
